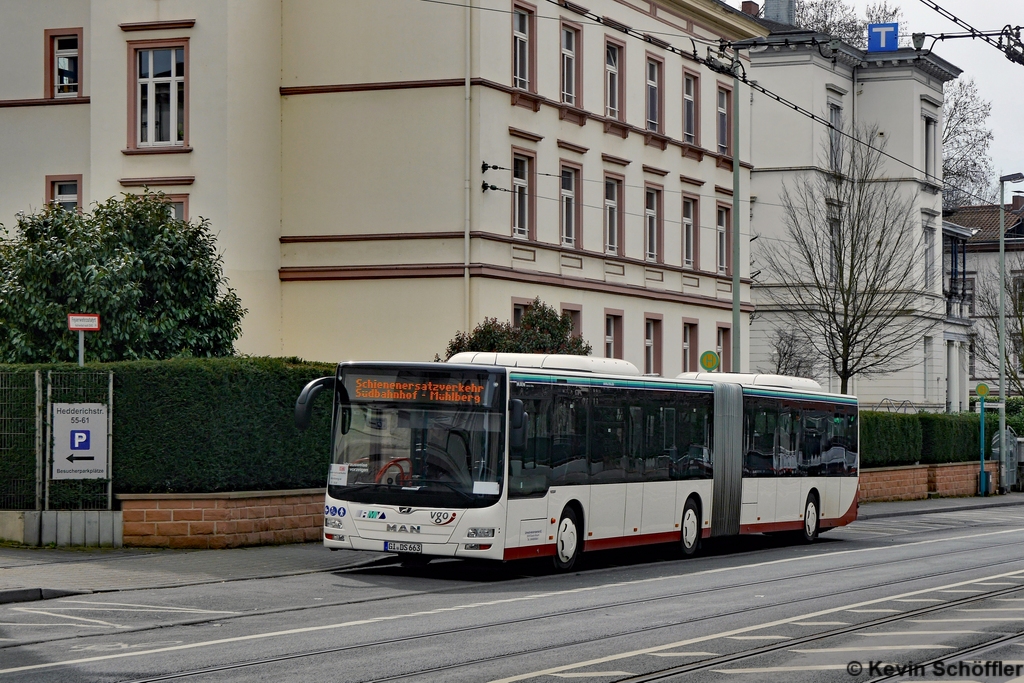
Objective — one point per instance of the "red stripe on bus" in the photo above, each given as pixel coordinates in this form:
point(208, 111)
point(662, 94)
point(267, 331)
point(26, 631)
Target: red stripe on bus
point(629, 541)
point(770, 526)
point(525, 552)
point(850, 515)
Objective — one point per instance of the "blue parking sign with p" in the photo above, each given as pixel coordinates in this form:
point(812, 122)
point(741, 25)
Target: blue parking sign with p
point(80, 440)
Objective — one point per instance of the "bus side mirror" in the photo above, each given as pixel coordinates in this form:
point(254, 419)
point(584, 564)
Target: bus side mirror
point(304, 404)
point(517, 423)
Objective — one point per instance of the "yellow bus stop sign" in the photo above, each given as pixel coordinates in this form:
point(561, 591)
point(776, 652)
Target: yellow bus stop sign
point(982, 389)
point(709, 361)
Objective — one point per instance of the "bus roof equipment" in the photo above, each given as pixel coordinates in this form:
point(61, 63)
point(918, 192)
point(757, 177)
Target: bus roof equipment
point(548, 361)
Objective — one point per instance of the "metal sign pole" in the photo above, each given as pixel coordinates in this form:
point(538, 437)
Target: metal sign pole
point(40, 461)
point(49, 438)
point(81, 348)
point(110, 440)
point(981, 472)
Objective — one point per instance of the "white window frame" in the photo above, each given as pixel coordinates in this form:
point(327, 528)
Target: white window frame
point(835, 117)
point(612, 215)
point(686, 347)
point(929, 146)
point(690, 109)
point(653, 92)
point(720, 347)
point(723, 121)
point(613, 108)
point(651, 201)
point(521, 197)
point(722, 241)
point(520, 49)
point(66, 200)
point(929, 257)
point(146, 125)
point(609, 336)
point(649, 329)
point(927, 365)
point(688, 233)
point(569, 84)
point(61, 90)
point(568, 205)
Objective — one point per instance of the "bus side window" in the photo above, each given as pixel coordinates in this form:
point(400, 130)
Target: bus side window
point(529, 467)
point(608, 438)
point(569, 436)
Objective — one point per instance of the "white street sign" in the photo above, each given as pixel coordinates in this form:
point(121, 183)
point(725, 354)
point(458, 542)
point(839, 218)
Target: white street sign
point(79, 441)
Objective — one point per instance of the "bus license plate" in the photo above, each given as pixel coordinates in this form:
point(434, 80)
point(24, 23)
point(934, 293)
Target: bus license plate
point(400, 547)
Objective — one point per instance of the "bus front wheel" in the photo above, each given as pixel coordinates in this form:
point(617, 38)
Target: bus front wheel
point(809, 532)
point(567, 540)
point(690, 532)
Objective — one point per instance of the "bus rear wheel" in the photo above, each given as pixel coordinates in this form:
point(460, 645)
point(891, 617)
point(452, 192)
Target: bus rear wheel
point(567, 540)
point(689, 537)
point(809, 531)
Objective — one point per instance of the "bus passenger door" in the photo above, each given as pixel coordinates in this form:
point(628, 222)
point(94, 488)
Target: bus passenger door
point(788, 503)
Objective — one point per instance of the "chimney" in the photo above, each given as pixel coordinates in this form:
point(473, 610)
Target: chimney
point(751, 8)
point(1018, 203)
point(782, 11)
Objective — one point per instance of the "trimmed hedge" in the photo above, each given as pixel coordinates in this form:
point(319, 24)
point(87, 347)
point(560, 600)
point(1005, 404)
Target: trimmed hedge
point(893, 439)
point(209, 425)
point(889, 439)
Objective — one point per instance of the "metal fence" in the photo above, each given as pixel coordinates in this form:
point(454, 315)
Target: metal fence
point(26, 438)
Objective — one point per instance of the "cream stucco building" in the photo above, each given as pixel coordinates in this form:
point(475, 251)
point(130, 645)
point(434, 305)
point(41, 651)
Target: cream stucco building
point(338, 149)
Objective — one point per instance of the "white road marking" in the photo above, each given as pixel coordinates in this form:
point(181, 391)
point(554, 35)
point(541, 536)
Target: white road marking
point(759, 637)
point(921, 600)
point(168, 608)
point(783, 669)
point(607, 587)
point(998, 583)
point(683, 654)
point(960, 591)
point(821, 623)
point(991, 609)
point(136, 609)
point(588, 674)
point(951, 621)
point(28, 610)
point(915, 633)
point(69, 623)
point(875, 611)
point(874, 648)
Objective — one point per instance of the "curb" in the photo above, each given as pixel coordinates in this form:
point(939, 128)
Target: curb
point(953, 508)
point(33, 594)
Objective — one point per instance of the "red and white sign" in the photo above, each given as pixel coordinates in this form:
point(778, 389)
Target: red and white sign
point(83, 322)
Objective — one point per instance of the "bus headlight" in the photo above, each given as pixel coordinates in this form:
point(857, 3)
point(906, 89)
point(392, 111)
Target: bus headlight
point(333, 523)
point(480, 533)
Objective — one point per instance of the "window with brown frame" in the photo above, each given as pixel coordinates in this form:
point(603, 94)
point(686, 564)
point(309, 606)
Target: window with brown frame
point(178, 205)
point(522, 195)
point(723, 243)
point(570, 206)
point(575, 313)
point(691, 233)
point(65, 191)
point(654, 94)
point(519, 309)
point(158, 96)
point(724, 121)
point(615, 80)
point(613, 213)
point(652, 345)
point(572, 65)
point(724, 348)
point(524, 47)
point(690, 346)
point(691, 108)
point(612, 334)
point(653, 225)
point(63, 63)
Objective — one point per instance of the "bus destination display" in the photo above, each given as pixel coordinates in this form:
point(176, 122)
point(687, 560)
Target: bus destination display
point(471, 392)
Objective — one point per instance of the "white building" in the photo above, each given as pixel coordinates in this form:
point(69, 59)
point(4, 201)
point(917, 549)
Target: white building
point(900, 93)
point(337, 148)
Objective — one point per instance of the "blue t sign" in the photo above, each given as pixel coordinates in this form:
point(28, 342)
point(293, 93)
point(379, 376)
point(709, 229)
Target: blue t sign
point(883, 37)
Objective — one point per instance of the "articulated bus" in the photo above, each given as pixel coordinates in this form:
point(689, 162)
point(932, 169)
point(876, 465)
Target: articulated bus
point(511, 456)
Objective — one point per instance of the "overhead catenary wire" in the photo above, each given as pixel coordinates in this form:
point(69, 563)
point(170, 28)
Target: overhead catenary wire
point(719, 67)
point(1013, 49)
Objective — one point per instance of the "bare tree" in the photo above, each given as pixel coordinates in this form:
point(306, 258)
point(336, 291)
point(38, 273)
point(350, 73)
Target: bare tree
point(847, 271)
point(986, 329)
point(791, 354)
point(840, 20)
point(966, 163)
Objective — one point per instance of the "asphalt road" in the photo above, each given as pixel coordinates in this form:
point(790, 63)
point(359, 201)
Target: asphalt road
point(945, 587)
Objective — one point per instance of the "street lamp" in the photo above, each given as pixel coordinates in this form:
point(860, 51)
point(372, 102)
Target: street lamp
point(1011, 178)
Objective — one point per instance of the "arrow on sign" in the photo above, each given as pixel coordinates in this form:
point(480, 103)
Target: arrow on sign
point(73, 458)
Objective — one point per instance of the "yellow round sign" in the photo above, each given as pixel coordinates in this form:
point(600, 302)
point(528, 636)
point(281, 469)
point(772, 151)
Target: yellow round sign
point(709, 361)
point(982, 390)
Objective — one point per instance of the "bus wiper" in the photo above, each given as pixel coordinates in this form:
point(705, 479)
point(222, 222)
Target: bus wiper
point(452, 487)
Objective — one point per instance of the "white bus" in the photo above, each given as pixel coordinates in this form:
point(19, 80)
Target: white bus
point(511, 456)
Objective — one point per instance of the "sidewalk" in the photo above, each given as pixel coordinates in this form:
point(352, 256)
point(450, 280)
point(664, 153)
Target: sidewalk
point(41, 573)
point(902, 508)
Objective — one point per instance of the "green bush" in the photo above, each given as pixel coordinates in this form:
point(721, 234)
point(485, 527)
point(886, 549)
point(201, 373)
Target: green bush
point(889, 439)
point(208, 425)
point(954, 438)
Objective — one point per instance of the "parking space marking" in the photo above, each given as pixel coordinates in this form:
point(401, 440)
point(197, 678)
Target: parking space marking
point(27, 623)
point(759, 637)
point(116, 607)
point(588, 674)
point(683, 654)
point(28, 610)
point(821, 623)
point(875, 611)
point(920, 600)
point(872, 648)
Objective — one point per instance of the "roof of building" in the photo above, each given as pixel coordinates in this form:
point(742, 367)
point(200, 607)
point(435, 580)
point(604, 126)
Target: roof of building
point(985, 219)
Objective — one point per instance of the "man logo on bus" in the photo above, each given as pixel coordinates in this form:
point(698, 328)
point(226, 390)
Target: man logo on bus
point(442, 518)
point(80, 440)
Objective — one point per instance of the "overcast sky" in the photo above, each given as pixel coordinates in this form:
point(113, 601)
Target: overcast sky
point(999, 80)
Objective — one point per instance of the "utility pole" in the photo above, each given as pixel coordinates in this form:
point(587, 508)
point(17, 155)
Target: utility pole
point(1012, 178)
point(736, 345)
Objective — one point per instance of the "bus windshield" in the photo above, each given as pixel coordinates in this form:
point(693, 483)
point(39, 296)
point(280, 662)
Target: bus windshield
point(409, 436)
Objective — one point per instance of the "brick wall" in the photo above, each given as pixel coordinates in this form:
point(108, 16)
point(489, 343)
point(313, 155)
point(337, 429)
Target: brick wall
point(919, 481)
point(222, 520)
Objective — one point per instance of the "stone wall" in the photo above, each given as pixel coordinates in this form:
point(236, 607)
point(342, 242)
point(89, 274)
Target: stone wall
point(222, 520)
point(919, 481)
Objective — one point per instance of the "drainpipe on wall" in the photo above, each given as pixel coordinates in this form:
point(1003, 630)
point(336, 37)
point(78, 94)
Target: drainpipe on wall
point(736, 333)
point(468, 169)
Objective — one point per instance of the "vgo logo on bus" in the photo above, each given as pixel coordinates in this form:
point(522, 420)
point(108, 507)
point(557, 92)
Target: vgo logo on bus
point(441, 518)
